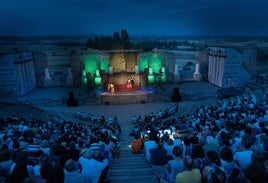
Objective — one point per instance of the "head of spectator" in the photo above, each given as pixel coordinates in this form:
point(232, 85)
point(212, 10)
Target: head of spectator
point(213, 157)
point(5, 155)
point(88, 153)
point(186, 141)
point(16, 145)
point(210, 140)
point(44, 158)
point(177, 151)
point(248, 140)
point(225, 138)
point(227, 154)
point(44, 144)
point(188, 162)
point(194, 140)
point(70, 165)
point(198, 151)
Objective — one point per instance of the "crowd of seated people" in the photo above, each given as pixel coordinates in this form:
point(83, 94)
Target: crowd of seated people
point(222, 144)
point(43, 151)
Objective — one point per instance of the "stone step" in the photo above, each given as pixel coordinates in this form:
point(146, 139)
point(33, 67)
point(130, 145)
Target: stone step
point(132, 172)
point(126, 160)
point(135, 179)
point(133, 165)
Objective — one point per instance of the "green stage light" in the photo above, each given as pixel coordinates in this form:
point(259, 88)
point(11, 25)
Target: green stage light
point(150, 79)
point(97, 81)
point(84, 78)
point(164, 78)
point(151, 71)
point(163, 70)
point(97, 73)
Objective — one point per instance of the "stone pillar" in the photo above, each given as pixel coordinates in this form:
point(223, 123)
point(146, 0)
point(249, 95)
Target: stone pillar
point(24, 78)
point(111, 70)
point(84, 78)
point(69, 79)
point(177, 76)
point(27, 74)
point(19, 79)
point(47, 79)
point(33, 74)
point(137, 70)
point(176, 69)
point(197, 74)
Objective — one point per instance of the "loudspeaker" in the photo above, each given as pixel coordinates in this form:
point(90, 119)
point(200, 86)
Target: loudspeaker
point(176, 98)
point(72, 102)
point(107, 103)
point(143, 101)
point(71, 95)
point(176, 91)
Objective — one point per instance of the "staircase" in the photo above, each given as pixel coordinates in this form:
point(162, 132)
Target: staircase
point(129, 167)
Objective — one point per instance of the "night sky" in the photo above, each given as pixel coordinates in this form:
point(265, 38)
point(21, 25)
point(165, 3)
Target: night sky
point(138, 17)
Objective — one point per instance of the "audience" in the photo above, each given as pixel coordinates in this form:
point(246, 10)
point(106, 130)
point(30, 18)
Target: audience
point(228, 136)
point(232, 131)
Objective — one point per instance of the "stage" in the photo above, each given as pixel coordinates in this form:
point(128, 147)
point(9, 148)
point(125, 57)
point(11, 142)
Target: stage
point(143, 95)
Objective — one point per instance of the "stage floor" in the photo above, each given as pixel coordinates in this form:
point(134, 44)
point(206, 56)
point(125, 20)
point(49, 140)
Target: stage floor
point(126, 97)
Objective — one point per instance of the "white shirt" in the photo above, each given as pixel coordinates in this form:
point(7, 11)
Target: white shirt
point(92, 168)
point(148, 145)
point(243, 157)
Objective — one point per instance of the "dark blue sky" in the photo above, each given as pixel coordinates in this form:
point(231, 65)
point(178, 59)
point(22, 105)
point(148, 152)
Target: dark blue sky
point(138, 17)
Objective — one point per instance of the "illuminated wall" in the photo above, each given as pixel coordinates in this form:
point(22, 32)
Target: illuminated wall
point(104, 63)
point(151, 60)
point(96, 61)
point(153, 63)
point(91, 63)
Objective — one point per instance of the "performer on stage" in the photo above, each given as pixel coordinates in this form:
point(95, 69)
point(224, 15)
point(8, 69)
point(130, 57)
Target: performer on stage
point(129, 86)
point(111, 88)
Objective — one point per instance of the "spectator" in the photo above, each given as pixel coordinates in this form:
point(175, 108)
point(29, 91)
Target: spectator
point(52, 172)
point(198, 154)
point(72, 173)
point(44, 158)
point(211, 144)
point(5, 163)
point(136, 145)
point(233, 171)
point(256, 171)
point(174, 166)
point(243, 156)
point(190, 174)
point(148, 145)
point(214, 172)
point(20, 170)
point(158, 155)
point(91, 167)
